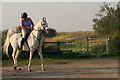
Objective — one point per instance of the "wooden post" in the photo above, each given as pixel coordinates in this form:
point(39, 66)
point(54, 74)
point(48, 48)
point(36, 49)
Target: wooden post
point(75, 44)
point(81, 47)
point(67, 46)
point(43, 48)
point(58, 46)
point(87, 47)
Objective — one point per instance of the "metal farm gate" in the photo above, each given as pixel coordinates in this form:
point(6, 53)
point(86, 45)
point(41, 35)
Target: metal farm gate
point(91, 45)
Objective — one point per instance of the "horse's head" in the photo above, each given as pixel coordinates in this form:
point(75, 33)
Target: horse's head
point(42, 25)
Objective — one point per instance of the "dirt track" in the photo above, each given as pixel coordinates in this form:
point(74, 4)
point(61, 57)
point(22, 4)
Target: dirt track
point(93, 68)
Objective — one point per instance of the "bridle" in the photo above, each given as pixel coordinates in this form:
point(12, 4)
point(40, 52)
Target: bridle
point(38, 31)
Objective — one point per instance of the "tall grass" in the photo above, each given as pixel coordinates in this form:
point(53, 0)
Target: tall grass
point(62, 36)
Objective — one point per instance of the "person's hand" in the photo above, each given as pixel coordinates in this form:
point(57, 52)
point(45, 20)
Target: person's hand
point(31, 28)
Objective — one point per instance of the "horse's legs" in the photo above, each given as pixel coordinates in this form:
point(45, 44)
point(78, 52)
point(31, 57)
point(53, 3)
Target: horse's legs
point(16, 59)
point(13, 56)
point(30, 58)
point(41, 57)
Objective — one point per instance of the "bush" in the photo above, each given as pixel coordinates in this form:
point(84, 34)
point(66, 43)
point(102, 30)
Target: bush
point(52, 33)
point(99, 48)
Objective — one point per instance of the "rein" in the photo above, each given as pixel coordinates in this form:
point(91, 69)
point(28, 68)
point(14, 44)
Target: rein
point(39, 31)
point(35, 36)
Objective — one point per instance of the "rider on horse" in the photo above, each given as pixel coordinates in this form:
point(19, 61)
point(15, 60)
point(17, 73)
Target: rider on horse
point(27, 25)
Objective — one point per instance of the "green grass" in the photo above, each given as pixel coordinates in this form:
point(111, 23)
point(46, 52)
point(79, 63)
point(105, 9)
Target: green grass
point(54, 59)
point(48, 59)
point(36, 61)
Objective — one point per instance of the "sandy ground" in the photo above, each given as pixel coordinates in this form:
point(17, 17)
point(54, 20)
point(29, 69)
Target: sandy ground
point(93, 68)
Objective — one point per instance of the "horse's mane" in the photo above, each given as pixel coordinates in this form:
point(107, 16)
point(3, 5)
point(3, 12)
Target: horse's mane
point(38, 26)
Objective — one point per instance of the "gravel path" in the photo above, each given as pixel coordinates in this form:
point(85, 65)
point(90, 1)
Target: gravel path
point(93, 68)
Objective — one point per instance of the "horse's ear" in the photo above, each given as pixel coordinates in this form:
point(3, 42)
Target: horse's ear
point(44, 19)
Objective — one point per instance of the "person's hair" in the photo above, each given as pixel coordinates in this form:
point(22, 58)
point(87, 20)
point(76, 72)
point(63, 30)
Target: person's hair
point(24, 15)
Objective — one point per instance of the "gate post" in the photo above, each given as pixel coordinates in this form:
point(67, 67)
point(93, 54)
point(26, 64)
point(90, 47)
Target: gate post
point(58, 46)
point(108, 41)
point(87, 46)
point(90, 41)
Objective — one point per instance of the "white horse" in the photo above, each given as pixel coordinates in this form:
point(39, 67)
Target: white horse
point(35, 42)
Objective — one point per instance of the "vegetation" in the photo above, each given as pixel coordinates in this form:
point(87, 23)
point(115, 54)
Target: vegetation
point(106, 23)
point(52, 33)
point(62, 36)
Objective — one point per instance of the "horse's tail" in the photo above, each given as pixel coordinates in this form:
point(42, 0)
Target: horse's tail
point(7, 42)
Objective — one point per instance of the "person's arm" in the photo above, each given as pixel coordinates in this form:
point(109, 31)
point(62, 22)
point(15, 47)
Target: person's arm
point(31, 22)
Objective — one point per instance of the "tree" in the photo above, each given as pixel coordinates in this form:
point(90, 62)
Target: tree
point(106, 21)
point(18, 29)
point(52, 33)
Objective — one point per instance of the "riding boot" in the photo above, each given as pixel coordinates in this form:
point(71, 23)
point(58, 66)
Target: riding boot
point(23, 40)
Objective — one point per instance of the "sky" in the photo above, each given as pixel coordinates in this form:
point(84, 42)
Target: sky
point(62, 16)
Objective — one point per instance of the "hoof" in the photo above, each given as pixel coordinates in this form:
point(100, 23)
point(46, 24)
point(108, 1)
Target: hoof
point(15, 67)
point(44, 69)
point(30, 70)
point(19, 68)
